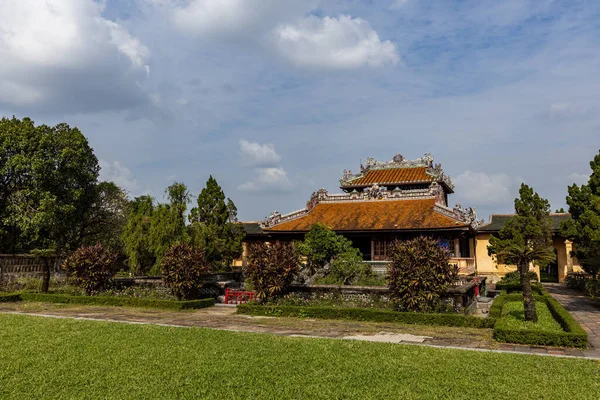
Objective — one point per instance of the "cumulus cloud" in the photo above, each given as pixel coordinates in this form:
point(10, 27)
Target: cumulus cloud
point(269, 175)
point(284, 28)
point(479, 188)
point(62, 54)
point(268, 180)
point(259, 155)
point(120, 175)
point(341, 42)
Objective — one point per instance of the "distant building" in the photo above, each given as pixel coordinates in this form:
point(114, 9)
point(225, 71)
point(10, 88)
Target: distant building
point(397, 199)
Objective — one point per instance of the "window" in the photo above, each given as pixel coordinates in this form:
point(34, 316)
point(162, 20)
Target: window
point(380, 249)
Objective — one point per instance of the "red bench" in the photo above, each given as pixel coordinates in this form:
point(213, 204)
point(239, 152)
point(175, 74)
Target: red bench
point(233, 296)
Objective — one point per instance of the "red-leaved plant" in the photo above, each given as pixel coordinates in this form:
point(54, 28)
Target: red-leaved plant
point(419, 274)
point(271, 268)
point(183, 269)
point(91, 268)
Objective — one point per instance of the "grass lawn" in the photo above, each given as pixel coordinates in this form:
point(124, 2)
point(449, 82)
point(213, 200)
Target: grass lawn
point(514, 317)
point(64, 358)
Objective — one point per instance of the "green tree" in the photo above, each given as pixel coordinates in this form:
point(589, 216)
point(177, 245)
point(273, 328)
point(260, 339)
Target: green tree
point(321, 245)
point(525, 239)
point(215, 227)
point(584, 226)
point(136, 235)
point(47, 184)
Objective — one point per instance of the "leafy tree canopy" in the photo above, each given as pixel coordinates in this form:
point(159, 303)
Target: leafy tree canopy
point(47, 184)
point(526, 238)
point(584, 227)
point(215, 227)
point(321, 245)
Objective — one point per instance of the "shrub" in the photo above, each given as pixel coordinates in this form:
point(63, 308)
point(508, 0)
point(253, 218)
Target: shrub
point(321, 245)
point(592, 288)
point(183, 267)
point(349, 269)
point(419, 274)
point(271, 267)
point(577, 280)
point(513, 278)
point(366, 314)
point(91, 267)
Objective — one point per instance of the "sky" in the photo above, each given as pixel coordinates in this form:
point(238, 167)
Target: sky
point(275, 98)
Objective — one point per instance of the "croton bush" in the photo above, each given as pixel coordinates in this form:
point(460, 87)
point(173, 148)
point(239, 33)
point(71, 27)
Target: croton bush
point(419, 274)
point(271, 268)
point(91, 268)
point(183, 270)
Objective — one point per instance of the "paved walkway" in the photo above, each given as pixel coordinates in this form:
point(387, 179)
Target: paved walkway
point(583, 309)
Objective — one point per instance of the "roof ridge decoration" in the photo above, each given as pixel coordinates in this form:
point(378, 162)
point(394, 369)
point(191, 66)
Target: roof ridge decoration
point(398, 161)
point(467, 215)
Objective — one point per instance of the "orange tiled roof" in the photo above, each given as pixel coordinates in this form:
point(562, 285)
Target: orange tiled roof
point(392, 175)
point(372, 215)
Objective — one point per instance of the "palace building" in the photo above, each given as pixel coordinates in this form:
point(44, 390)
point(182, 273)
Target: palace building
point(388, 200)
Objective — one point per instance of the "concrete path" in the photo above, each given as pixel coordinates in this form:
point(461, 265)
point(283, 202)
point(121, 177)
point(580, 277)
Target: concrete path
point(583, 309)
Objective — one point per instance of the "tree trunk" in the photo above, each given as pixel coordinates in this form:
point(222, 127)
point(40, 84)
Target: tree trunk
point(528, 301)
point(46, 275)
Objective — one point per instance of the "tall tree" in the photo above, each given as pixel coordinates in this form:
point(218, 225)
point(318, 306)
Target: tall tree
point(47, 183)
point(136, 235)
point(215, 228)
point(525, 239)
point(584, 227)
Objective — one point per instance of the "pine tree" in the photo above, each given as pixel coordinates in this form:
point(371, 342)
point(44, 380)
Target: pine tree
point(215, 228)
point(526, 238)
point(584, 227)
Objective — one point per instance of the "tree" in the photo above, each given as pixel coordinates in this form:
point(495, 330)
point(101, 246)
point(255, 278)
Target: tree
point(45, 255)
point(215, 228)
point(419, 274)
point(321, 245)
point(525, 239)
point(106, 218)
point(47, 183)
point(271, 267)
point(584, 226)
point(136, 235)
point(183, 269)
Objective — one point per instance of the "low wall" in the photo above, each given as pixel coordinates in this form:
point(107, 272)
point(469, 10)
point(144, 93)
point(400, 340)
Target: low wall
point(15, 265)
point(462, 295)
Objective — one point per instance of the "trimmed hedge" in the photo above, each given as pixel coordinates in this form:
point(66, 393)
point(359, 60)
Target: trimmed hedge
point(536, 288)
point(573, 335)
point(115, 301)
point(366, 314)
point(6, 298)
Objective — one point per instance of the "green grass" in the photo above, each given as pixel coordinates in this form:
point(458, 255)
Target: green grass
point(514, 317)
point(63, 358)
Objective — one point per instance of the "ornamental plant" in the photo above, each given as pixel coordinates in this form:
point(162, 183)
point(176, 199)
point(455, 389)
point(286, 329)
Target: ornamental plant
point(271, 268)
point(91, 268)
point(419, 274)
point(183, 269)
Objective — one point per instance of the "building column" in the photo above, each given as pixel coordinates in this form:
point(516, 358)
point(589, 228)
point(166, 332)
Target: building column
point(569, 249)
point(456, 248)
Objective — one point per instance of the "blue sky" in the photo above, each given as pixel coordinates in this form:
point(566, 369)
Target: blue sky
point(275, 98)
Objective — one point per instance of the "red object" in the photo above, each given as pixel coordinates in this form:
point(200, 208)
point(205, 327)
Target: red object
point(476, 286)
point(238, 296)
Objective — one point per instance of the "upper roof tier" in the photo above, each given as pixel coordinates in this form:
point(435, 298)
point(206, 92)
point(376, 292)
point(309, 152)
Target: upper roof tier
point(398, 172)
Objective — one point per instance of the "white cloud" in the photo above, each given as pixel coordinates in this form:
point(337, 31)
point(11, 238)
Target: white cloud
point(259, 155)
point(268, 180)
point(120, 175)
point(479, 188)
point(340, 42)
point(284, 28)
point(237, 19)
point(55, 52)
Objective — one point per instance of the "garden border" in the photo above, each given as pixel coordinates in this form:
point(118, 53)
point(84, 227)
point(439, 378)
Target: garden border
point(366, 314)
point(574, 335)
point(108, 301)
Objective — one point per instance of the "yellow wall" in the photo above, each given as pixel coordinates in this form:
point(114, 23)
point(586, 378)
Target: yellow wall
point(486, 265)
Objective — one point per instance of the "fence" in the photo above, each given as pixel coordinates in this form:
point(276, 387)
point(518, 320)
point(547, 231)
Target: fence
point(14, 265)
